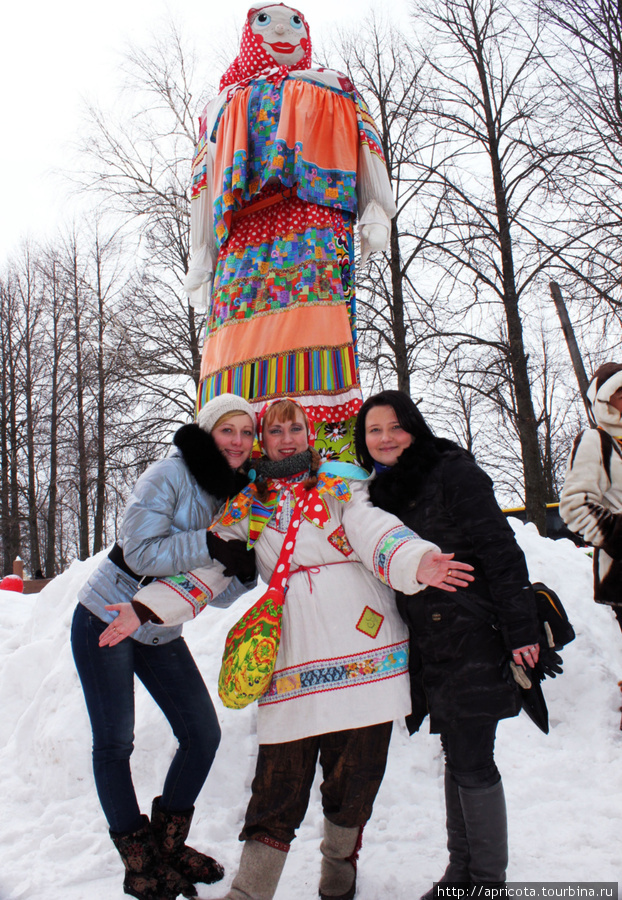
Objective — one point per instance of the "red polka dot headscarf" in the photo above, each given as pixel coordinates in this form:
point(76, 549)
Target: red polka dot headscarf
point(253, 60)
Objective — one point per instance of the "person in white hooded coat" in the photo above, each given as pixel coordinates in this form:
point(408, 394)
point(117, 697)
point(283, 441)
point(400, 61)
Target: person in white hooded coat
point(591, 499)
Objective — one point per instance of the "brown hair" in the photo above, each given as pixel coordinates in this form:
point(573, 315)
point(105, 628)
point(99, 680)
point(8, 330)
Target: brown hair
point(283, 411)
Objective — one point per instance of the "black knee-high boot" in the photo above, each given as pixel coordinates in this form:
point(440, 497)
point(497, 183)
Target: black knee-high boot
point(485, 819)
point(457, 872)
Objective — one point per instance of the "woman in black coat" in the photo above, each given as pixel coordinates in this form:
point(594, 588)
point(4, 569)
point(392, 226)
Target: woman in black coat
point(458, 657)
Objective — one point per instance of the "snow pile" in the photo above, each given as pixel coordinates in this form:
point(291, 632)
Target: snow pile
point(564, 790)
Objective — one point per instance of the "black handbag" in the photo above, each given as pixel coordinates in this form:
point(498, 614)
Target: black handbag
point(555, 628)
point(555, 632)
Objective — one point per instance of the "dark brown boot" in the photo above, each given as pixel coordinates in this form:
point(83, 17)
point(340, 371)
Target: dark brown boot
point(170, 831)
point(146, 876)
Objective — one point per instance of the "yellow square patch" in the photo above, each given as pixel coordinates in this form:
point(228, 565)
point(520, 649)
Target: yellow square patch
point(287, 683)
point(370, 622)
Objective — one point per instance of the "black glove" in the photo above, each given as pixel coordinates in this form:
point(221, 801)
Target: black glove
point(550, 662)
point(234, 556)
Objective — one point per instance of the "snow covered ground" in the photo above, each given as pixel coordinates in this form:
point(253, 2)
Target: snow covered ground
point(564, 790)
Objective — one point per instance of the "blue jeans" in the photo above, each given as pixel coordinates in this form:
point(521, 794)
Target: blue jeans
point(170, 674)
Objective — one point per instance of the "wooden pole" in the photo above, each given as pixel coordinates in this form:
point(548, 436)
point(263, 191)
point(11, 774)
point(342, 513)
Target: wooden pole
point(18, 567)
point(571, 341)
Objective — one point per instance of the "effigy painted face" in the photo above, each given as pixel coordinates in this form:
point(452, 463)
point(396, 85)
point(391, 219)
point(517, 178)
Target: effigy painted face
point(281, 33)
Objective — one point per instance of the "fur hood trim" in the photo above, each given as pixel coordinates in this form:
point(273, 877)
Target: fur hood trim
point(396, 488)
point(606, 381)
point(206, 463)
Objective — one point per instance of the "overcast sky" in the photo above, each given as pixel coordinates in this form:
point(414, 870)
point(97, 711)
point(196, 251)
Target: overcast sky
point(55, 53)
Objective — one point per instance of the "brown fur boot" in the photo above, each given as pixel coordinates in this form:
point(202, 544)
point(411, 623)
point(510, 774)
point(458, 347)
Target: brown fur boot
point(146, 876)
point(170, 831)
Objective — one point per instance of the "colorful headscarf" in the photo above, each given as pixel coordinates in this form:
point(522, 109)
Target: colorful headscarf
point(252, 60)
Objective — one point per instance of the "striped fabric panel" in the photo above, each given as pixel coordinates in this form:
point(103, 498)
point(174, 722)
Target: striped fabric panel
point(325, 370)
point(390, 542)
point(320, 676)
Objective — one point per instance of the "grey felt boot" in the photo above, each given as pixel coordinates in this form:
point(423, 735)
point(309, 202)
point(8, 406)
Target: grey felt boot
point(258, 873)
point(485, 818)
point(457, 872)
point(340, 849)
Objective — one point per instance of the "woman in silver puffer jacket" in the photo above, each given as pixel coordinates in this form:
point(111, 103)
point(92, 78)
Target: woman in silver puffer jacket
point(164, 532)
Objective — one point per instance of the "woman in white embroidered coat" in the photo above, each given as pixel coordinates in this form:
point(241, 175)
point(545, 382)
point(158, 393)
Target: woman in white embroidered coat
point(591, 500)
point(341, 674)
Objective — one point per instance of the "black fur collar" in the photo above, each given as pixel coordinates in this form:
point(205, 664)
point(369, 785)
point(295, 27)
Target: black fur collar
point(206, 463)
point(396, 488)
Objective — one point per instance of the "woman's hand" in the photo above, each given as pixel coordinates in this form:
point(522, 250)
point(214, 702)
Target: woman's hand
point(440, 570)
point(123, 626)
point(528, 655)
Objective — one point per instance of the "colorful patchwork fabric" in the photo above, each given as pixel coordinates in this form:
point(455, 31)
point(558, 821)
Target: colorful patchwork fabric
point(283, 283)
point(282, 319)
point(386, 548)
point(297, 132)
point(191, 589)
point(339, 540)
point(334, 674)
point(237, 508)
point(246, 503)
point(315, 510)
point(368, 133)
point(306, 266)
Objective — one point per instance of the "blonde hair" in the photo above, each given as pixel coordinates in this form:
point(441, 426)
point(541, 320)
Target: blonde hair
point(232, 415)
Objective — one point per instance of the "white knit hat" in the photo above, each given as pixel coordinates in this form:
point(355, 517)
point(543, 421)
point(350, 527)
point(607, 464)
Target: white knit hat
point(226, 403)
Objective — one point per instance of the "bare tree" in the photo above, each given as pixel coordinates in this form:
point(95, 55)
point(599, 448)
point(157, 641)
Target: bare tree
point(57, 332)
point(139, 163)
point(585, 37)
point(395, 305)
point(29, 328)
point(9, 442)
point(489, 104)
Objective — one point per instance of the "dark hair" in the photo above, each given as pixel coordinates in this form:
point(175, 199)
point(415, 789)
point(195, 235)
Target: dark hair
point(407, 414)
point(605, 372)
